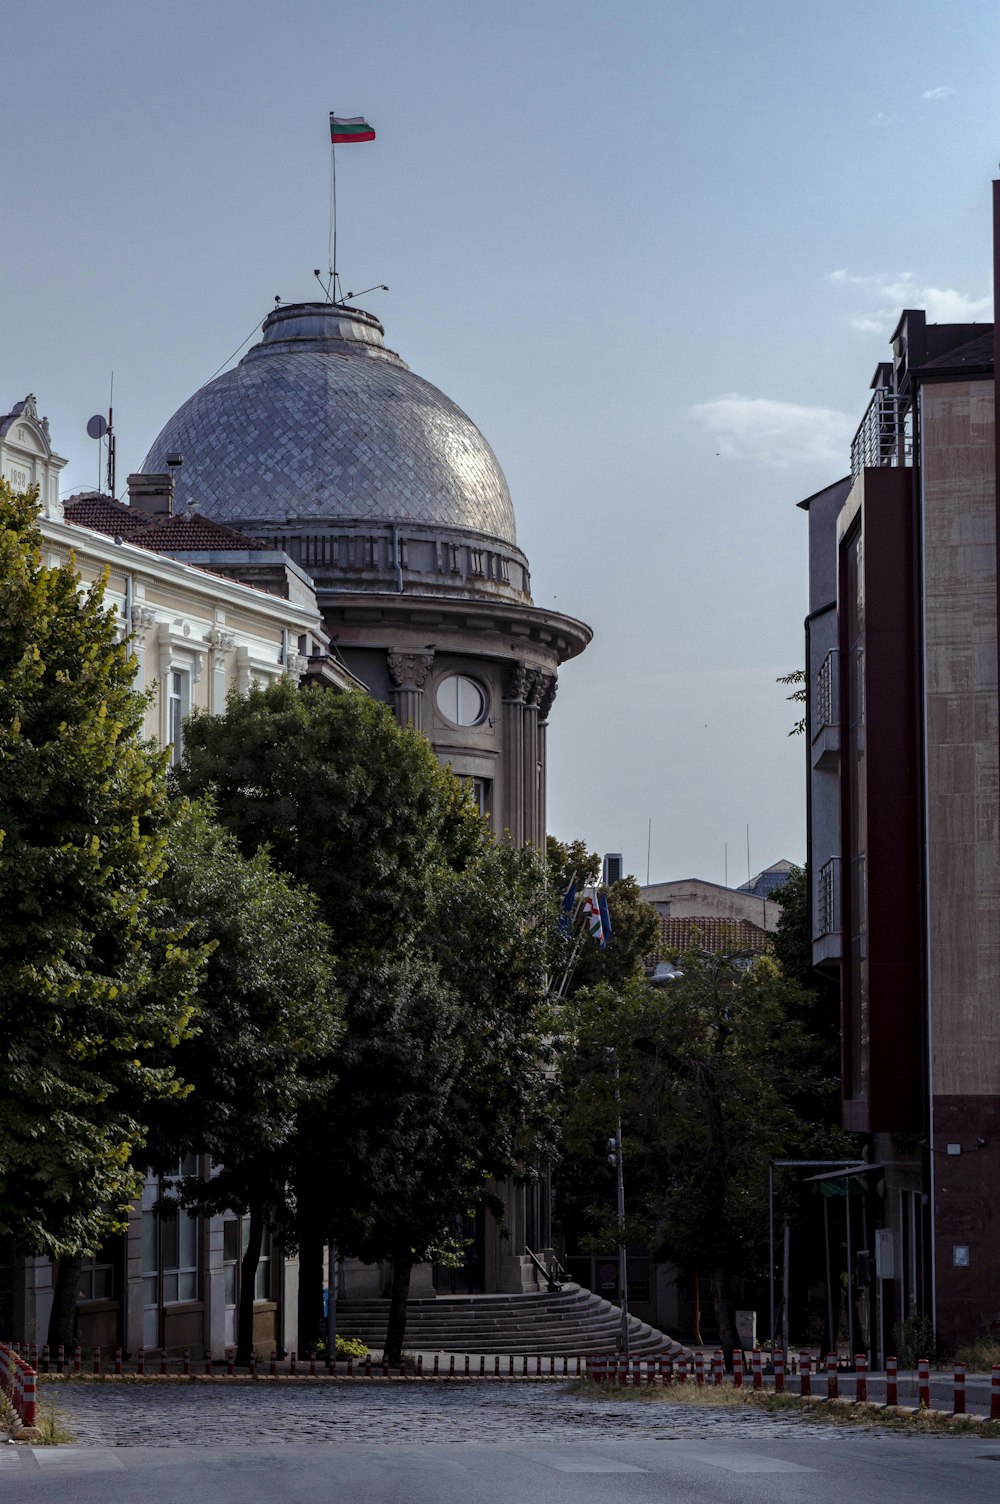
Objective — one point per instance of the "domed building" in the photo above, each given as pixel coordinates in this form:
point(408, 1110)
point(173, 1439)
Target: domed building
point(323, 443)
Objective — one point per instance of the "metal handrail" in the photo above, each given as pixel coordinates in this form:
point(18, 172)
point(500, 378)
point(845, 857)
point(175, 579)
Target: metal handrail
point(546, 1274)
point(884, 438)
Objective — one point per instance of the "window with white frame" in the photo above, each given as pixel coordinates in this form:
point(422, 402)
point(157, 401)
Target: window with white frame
point(178, 708)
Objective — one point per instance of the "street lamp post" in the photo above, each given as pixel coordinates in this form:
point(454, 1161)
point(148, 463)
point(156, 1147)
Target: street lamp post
point(615, 1158)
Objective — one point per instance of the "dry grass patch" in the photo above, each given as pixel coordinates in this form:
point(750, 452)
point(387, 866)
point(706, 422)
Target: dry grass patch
point(831, 1412)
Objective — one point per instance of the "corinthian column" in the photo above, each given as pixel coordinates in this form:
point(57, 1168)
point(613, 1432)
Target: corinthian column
point(549, 687)
point(408, 675)
point(529, 761)
point(515, 684)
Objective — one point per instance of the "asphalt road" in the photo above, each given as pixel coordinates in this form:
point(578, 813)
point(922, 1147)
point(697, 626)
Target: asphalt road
point(477, 1443)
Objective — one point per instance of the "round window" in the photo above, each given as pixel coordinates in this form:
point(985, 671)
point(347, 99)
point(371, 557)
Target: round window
point(461, 700)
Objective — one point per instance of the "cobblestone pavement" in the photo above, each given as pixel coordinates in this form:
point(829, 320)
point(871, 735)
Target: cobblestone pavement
point(132, 1415)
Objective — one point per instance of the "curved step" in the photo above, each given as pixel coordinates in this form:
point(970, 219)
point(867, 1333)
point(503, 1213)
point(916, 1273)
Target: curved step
point(567, 1322)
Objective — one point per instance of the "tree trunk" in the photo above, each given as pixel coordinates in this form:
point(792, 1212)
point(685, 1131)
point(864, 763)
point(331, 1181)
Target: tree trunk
point(310, 1291)
point(248, 1282)
point(402, 1267)
point(728, 1337)
point(67, 1289)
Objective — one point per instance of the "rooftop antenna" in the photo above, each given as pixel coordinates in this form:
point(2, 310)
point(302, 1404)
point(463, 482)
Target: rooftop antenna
point(649, 847)
point(99, 427)
point(376, 287)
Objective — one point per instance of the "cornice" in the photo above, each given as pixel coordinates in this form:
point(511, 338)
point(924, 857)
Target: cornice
point(146, 565)
point(523, 627)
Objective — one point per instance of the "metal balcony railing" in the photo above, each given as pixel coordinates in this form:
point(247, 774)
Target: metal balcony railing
point(828, 898)
point(827, 707)
point(885, 436)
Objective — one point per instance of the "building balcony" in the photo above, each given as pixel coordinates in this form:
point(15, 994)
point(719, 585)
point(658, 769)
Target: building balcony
point(885, 436)
point(826, 913)
point(826, 719)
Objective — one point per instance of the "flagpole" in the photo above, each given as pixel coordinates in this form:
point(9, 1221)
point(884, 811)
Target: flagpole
point(333, 215)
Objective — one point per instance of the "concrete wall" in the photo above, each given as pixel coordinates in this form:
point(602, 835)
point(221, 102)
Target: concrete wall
point(963, 844)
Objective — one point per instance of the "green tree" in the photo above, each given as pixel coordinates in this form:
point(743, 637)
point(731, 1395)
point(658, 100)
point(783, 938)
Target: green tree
point(442, 940)
point(709, 1067)
point(798, 696)
point(345, 800)
point(94, 993)
point(268, 1020)
point(442, 1089)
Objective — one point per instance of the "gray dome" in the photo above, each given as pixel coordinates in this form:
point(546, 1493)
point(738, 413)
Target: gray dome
point(321, 423)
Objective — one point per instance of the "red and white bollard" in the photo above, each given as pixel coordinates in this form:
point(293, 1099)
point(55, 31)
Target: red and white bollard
point(995, 1393)
point(60, 1359)
point(163, 1362)
point(861, 1378)
point(28, 1405)
point(718, 1368)
point(779, 1373)
point(805, 1373)
point(118, 1360)
point(831, 1376)
point(97, 1360)
point(891, 1381)
point(76, 1359)
point(959, 1404)
point(140, 1362)
point(924, 1382)
point(758, 1372)
point(737, 1368)
point(699, 1369)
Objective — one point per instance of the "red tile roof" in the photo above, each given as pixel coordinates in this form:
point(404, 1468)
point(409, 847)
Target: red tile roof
point(712, 935)
point(189, 531)
point(104, 515)
point(186, 532)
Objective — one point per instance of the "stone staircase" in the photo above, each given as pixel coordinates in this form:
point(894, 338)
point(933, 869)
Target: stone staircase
point(569, 1321)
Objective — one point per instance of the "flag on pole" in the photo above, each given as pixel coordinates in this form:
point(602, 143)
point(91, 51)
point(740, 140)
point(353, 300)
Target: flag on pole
point(592, 916)
point(602, 900)
point(356, 128)
point(566, 914)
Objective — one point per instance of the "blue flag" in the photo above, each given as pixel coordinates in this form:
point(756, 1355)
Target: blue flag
point(602, 899)
point(568, 905)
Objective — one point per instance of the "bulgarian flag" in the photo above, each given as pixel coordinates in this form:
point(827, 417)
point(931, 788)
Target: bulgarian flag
point(354, 129)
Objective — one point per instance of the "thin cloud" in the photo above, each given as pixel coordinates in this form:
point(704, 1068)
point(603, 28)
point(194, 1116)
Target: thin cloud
point(883, 119)
point(885, 296)
point(759, 431)
point(943, 91)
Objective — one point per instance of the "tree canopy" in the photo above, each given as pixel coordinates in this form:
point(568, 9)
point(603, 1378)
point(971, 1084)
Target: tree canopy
point(267, 1022)
point(713, 1070)
point(345, 800)
point(93, 989)
point(442, 940)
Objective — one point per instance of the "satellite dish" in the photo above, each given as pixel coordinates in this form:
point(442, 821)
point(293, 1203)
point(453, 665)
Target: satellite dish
point(97, 427)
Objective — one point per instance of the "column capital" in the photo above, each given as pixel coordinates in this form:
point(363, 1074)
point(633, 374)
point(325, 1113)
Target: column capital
point(409, 670)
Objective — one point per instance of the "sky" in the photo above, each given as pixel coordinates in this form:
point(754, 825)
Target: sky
point(655, 250)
